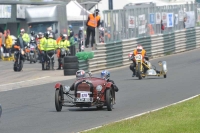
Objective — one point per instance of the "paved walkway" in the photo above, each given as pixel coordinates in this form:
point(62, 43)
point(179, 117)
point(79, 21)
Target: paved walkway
point(30, 76)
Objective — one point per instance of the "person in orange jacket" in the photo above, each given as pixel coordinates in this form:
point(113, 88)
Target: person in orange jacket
point(59, 38)
point(92, 22)
point(138, 50)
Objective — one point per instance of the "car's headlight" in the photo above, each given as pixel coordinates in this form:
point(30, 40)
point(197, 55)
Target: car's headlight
point(99, 88)
point(66, 89)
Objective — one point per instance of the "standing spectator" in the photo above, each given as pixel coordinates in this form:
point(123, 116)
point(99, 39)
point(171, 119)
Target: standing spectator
point(184, 21)
point(41, 40)
point(162, 27)
point(25, 36)
point(59, 38)
point(70, 31)
point(1, 43)
point(8, 31)
point(8, 44)
point(5, 32)
point(92, 22)
point(51, 31)
point(80, 33)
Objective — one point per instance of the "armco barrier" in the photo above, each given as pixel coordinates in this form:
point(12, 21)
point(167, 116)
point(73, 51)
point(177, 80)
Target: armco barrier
point(115, 54)
point(83, 65)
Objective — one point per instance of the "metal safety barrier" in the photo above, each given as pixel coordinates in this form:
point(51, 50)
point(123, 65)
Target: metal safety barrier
point(111, 55)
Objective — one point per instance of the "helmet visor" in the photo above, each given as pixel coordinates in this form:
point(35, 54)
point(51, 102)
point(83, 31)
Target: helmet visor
point(139, 50)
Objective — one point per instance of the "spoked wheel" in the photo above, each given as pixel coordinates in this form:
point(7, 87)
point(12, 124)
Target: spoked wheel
point(58, 100)
point(109, 100)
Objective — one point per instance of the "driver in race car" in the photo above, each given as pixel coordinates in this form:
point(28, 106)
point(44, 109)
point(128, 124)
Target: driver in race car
point(79, 74)
point(106, 75)
point(138, 50)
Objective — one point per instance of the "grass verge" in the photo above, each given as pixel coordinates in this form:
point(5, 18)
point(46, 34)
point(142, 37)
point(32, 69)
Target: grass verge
point(180, 118)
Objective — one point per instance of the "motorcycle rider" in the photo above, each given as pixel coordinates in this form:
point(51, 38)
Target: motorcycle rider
point(138, 50)
point(62, 44)
point(25, 36)
point(50, 46)
point(20, 44)
point(106, 75)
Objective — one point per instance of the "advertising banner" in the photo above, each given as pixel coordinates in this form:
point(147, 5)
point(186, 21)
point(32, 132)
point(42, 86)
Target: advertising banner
point(181, 15)
point(164, 17)
point(198, 14)
point(190, 19)
point(158, 18)
point(152, 18)
point(170, 20)
point(5, 11)
point(176, 19)
point(142, 23)
point(131, 22)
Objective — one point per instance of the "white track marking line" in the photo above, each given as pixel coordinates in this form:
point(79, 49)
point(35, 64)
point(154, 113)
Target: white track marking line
point(141, 114)
point(24, 81)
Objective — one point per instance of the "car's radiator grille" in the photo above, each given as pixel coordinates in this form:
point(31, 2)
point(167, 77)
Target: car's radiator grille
point(82, 87)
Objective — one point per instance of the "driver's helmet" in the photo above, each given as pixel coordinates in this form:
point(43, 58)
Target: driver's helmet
point(105, 74)
point(80, 74)
point(139, 49)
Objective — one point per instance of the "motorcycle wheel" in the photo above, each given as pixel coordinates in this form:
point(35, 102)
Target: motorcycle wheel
point(31, 59)
point(15, 67)
point(139, 72)
point(19, 66)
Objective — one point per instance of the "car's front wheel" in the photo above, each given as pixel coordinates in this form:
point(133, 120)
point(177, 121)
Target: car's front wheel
point(58, 101)
point(109, 100)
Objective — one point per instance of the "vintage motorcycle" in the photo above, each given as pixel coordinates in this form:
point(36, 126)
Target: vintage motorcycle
point(33, 54)
point(144, 68)
point(27, 52)
point(63, 53)
point(87, 92)
point(19, 59)
point(49, 62)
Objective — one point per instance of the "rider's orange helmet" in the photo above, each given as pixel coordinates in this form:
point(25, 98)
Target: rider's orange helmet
point(139, 49)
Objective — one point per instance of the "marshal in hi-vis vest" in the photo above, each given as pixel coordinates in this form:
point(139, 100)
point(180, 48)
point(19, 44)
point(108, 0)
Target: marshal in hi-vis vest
point(93, 20)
